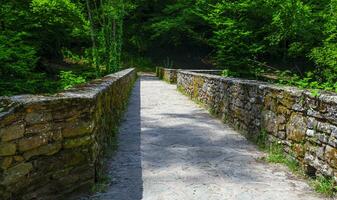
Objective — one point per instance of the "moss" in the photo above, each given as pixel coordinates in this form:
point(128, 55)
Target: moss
point(102, 184)
point(102, 178)
point(276, 154)
point(197, 83)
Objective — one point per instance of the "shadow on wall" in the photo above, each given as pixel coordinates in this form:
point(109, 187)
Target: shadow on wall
point(188, 141)
point(124, 166)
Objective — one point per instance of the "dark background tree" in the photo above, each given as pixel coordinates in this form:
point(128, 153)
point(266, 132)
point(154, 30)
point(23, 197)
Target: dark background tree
point(295, 39)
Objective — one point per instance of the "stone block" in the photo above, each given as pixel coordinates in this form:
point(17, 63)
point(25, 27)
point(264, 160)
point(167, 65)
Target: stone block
point(38, 128)
point(269, 122)
point(331, 156)
point(322, 138)
point(282, 110)
point(286, 99)
point(296, 127)
point(299, 150)
point(334, 131)
point(12, 132)
point(6, 162)
point(48, 150)
point(312, 123)
point(77, 128)
point(33, 142)
point(7, 149)
point(18, 158)
point(35, 117)
point(281, 134)
point(324, 127)
point(333, 141)
point(310, 133)
point(16, 173)
point(77, 142)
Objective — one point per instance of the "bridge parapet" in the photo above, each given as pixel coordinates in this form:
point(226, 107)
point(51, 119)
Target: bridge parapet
point(52, 146)
point(304, 123)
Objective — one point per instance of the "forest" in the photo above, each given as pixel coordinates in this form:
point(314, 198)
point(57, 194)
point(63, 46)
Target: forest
point(50, 45)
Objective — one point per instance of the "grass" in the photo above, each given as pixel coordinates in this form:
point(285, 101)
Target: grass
point(275, 154)
point(101, 185)
point(324, 185)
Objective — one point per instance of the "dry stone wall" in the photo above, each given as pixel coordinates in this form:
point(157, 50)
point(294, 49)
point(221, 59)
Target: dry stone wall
point(306, 125)
point(52, 146)
point(168, 75)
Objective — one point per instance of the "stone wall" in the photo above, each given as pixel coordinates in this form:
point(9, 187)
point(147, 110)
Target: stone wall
point(52, 146)
point(168, 75)
point(306, 125)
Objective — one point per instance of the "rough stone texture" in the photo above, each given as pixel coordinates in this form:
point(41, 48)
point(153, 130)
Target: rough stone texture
point(170, 75)
point(305, 124)
point(171, 149)
point(52, 146)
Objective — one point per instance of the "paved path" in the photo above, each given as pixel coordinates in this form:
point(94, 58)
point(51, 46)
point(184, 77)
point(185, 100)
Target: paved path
point(170, 149)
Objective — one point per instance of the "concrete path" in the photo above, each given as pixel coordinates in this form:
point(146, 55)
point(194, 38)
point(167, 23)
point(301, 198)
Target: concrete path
point(170, 149)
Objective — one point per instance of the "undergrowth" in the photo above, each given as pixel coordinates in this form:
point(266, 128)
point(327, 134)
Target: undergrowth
point(310, 80)
point(275, 154)
point(324, 185)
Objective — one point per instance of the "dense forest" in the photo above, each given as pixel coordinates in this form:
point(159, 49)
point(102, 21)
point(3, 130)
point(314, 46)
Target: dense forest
point(47, 45)
point(70, 41)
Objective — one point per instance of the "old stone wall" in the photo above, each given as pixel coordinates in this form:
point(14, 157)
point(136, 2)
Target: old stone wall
point(306, 125)
point(52, 146)
point(168, 75)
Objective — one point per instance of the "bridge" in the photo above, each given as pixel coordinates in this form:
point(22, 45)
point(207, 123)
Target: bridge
point(165, 146)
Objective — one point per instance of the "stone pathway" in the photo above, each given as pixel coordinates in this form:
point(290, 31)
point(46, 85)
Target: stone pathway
point(170, 149)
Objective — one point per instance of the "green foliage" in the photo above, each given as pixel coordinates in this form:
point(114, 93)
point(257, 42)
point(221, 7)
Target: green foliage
point(38, 34)
point(276, 154)
point(55, 23)
point(17, 57)
point(229, 73)
point(68, 79)
point(261, 140)
point(311, 80)
point(300, 35)
point(326, 55)
point(36, 83)
point(106, 23)
point(324, 185)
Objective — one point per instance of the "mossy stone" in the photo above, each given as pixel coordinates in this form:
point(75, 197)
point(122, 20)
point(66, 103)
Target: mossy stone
point(15, 173)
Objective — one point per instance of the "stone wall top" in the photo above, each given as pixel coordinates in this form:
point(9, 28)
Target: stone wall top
point(88, 91)
point(52, 146)
point(325, 96)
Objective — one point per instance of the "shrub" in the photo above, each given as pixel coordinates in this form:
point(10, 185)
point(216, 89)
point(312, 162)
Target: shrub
point(69, 79)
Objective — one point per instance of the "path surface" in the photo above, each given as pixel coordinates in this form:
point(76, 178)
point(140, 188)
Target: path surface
point(170, 149)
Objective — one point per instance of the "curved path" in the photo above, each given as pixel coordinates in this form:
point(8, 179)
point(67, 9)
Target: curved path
point(170, 149)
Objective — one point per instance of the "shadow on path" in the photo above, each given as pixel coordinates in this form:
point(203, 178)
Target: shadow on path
point(125, 172)
point(171, 149)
